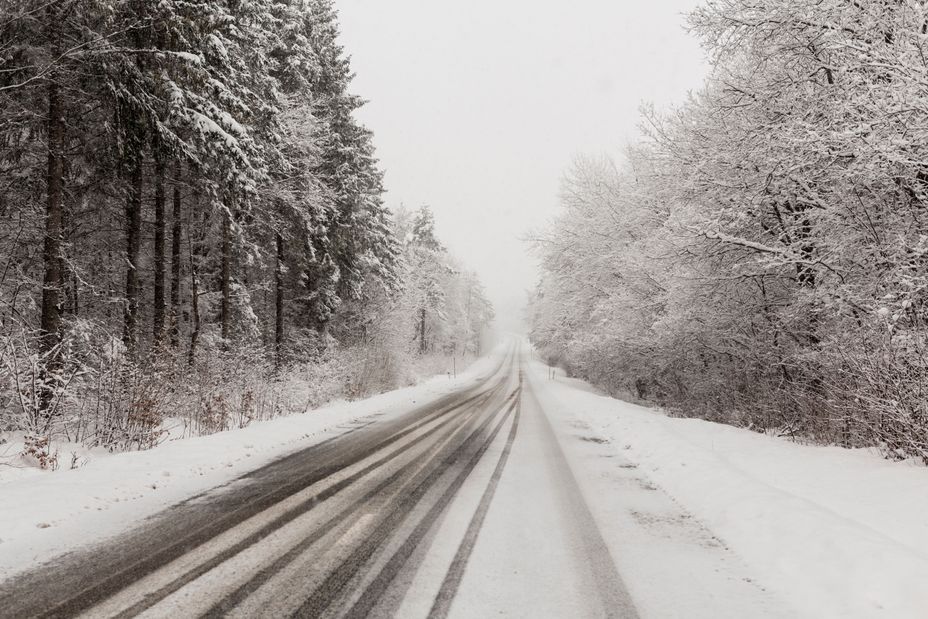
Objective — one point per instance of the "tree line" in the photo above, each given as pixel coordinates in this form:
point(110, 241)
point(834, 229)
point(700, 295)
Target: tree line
point(760, 257)
point(184, 188)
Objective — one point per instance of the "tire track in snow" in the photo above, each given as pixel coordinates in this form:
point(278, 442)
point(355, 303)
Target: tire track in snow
point(233, 599)
point(373, 593)
point(614, 596)
point(306, 505)
point(62, 589)
point(326, 594)
point(452, 581)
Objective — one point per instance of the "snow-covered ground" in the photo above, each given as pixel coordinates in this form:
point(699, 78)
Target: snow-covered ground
point(702, 520)
point(832, 532)
point(45, 513)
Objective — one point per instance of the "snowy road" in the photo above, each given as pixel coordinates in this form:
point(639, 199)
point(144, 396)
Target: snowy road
point(464, 506)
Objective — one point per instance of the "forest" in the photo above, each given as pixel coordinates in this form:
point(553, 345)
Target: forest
point(193, 225)
point(760, 257)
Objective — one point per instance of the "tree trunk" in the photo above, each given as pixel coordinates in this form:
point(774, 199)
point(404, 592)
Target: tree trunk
point(50, 324)
point(158, 312)
point(66, 293)
point(75, 294)
point(422, 344)
point(51, 255)
point(194, 283)
point(134, 207)
point(175, 261)
point(194, 310)
point(279, 300)
point(225, 274)
point(133, 247)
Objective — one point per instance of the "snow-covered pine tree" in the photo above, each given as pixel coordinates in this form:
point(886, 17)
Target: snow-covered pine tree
point(217, 138)
point(356, 240)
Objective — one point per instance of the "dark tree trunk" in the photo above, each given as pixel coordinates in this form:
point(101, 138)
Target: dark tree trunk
point(422, 343)
point(194, 311)
point(175, 260)
point(50, 324)
point(279, 300)
point(66, 293)
point(75, 295)
point(133, 247)
point(225, 276)
point(805, 271)
point(158, 312)
point(51, 255)
point(194, 251)
point(134, 205)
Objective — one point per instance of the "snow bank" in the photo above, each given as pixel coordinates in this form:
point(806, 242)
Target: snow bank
point(839, 533)
point(45, 513)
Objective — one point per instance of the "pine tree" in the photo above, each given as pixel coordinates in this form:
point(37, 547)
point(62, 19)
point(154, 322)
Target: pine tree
point(190, 175)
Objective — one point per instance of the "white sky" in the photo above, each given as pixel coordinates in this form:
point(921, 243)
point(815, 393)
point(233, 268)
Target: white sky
point(479, 107)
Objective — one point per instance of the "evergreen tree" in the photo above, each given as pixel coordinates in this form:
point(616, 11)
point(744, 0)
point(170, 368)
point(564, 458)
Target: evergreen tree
point(185, 175)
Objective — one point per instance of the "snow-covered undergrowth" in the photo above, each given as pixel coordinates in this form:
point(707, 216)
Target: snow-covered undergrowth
point(44, 513)
point(836, 532)
point(120, 406)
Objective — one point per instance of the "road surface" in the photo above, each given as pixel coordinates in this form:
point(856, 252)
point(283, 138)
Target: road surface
point(462, 507)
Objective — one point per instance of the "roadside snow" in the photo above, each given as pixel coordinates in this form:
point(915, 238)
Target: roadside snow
point(46, 513)
point(837, 533)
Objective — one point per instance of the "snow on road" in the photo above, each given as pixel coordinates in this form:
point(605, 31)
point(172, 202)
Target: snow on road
point(46, 513)
point(700, 520)
point(540, 553)
point(724, 522)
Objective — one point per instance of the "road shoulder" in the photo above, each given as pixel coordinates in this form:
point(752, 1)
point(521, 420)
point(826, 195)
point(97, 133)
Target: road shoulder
point(672, 564)
point(827, 532)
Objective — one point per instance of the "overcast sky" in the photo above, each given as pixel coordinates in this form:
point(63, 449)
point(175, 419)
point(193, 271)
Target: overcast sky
point(479, 107)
